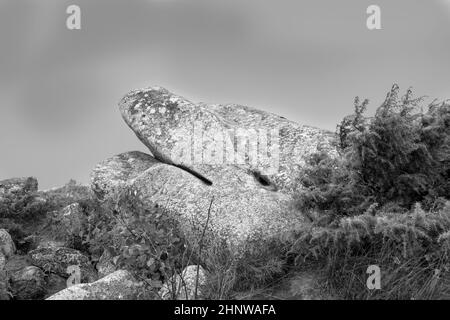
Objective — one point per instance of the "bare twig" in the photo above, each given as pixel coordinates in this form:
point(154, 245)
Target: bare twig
point(201, 247)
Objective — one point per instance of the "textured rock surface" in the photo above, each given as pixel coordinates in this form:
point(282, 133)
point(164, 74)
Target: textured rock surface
point(57, 260)
point(182, 287)
point(243, 210)
point(3, 279)
point(18, 186)
point(54, 284)
point(247, 160)
point(7, 246)
point(2, 261)
point(191, 134)
point(119, 285)
point(105, 266)
point(28, 283)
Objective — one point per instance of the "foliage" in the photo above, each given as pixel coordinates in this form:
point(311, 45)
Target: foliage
point(412, 250)
point(384, 201)
point(396, 158)
point(143, 240)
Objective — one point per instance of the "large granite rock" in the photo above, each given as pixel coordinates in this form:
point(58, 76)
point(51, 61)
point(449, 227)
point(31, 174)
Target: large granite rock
point(119, 285)
point(243, 209)
point(247, 160)
point(199, 136)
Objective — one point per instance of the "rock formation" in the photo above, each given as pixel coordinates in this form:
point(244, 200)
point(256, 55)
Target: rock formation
point(247, 160)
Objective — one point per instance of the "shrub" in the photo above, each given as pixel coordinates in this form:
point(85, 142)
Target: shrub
point(396, 158)
point(365, 206)
point(142, 240)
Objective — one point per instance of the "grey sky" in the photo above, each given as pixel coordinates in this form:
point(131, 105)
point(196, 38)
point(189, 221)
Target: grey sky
point(305, 60)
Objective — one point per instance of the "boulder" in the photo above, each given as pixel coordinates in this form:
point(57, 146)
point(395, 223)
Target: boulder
point(198, 136)
point(7, 246)
point(182, 286)
point(243, 209)
point(119, 285)
point(57, 260)
point(28, 283)
point(243, 162)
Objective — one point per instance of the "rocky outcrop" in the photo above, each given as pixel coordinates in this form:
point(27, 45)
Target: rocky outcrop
point(247, 160)
point(183, 286)
point(202, 137)
point(119, 285)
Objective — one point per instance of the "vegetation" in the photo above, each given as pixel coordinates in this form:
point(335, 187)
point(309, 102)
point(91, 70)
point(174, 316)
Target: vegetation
point(384, 201)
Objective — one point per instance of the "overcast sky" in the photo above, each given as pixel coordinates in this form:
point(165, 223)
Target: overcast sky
point(305, 60)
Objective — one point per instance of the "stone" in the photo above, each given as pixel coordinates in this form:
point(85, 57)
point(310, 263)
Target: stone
point(201, 137)
point(4, 286)
point(17, 263)
point(105, 265)
point(245, 161)
point(243, 210)
point(7, 246)
point(28, 283)
point(182, 287)
point(55, 283)
point(18, 186)
point(2, 262)
point(119, 285)
point(58, 259)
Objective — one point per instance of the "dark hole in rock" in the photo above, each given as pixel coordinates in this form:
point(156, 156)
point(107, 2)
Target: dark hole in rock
point(261, 178)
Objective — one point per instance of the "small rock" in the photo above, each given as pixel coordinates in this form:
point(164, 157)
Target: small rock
point(28, 283)
point(119, 285)
point(57, 260)
point(7, 246)
point(105, 265)
point(183, 287)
